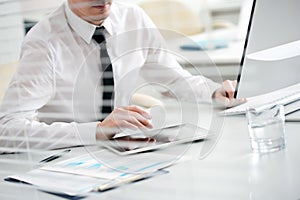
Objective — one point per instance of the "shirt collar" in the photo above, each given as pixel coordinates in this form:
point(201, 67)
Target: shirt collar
point(82, 27)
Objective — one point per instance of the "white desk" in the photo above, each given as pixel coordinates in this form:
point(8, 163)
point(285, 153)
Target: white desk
point(230, 171)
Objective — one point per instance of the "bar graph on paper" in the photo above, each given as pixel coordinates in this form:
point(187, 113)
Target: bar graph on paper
point(107, 165)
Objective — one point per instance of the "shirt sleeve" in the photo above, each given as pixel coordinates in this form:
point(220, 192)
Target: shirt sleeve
point(30, 89)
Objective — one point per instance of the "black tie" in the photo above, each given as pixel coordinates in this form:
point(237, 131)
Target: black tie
point(107, 76)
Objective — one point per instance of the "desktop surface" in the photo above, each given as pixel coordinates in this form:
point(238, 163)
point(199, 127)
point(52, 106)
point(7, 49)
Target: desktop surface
point(229, 170)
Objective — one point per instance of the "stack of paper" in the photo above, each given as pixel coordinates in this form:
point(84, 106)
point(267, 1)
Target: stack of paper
point(97, 171)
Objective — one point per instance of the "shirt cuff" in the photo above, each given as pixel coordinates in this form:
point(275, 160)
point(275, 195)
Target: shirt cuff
point(86, 132)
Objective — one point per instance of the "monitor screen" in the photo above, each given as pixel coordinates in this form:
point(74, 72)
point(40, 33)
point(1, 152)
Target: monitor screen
point(272, 23)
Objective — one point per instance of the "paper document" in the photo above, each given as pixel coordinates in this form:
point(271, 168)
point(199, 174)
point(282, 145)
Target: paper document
point(289, 97)
point(281, 52)
point(62, 183)
point(107, 165)
point(95, 171)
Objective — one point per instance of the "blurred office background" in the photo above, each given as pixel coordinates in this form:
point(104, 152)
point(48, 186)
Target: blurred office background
point(188, 17)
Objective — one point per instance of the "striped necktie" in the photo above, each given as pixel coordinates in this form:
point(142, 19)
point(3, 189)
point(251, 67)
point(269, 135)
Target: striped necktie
point(107, 76)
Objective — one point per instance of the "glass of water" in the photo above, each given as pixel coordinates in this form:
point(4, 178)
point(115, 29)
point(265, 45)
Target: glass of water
point(266, 129)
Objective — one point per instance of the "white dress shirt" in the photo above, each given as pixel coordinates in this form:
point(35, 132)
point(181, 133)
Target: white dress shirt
point(54, 99)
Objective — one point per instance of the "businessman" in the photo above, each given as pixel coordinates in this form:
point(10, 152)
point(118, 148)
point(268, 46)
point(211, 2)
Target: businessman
point(78, 69)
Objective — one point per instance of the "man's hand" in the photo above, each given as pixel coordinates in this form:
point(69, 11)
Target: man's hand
point(224, 96)
point(130, 117)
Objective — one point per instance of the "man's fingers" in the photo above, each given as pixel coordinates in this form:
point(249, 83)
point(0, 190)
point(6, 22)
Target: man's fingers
point(225, 96)
point(125, 124)
point(235, 102)
point(229, 87)
point(228, 103)
point(139, 110)
point(141, 119)
point(132, 117)
point(234, 83)
point(140, 123)
point(135, 115)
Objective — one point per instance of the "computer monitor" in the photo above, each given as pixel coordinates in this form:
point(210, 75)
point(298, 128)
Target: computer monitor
point(272, 23)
